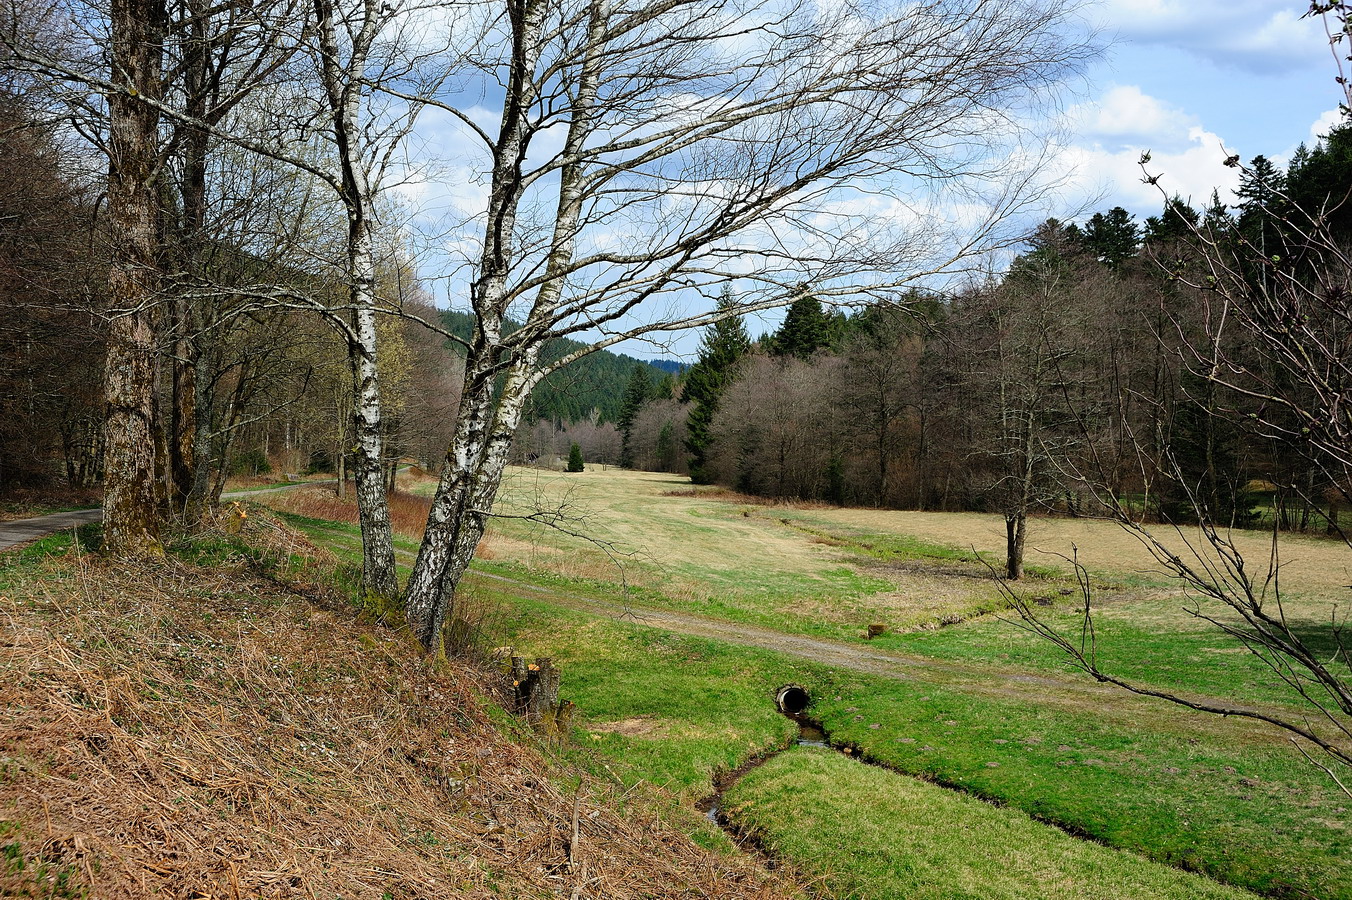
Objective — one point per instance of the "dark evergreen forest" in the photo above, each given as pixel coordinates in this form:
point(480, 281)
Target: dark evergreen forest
point(588, 390)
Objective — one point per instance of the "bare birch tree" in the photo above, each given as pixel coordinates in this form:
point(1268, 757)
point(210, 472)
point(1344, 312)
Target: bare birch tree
point(647, 152)
point(363, 49)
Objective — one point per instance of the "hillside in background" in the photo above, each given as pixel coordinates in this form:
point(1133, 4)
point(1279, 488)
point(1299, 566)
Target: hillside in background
point(593, 386)
point(670, 366)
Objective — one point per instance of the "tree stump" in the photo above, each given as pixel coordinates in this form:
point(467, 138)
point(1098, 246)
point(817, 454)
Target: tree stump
point(536, 691)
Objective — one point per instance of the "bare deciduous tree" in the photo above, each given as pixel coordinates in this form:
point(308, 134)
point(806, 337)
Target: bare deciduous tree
point(1021, 348)
point(671, 146)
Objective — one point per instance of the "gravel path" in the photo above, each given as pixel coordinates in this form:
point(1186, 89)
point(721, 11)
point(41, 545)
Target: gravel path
point(21, 531)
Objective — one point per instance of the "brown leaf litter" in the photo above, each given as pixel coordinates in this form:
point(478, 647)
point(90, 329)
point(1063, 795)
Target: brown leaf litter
point(201, 733)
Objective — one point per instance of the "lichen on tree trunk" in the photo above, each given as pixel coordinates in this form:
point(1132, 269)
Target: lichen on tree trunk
point(132, 488)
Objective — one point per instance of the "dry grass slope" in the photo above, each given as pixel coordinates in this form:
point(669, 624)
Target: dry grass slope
point(183, 732)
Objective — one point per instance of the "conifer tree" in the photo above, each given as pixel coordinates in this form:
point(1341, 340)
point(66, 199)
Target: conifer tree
point(667, 449)
point(1320, 180)
point(636, 395)
point(724, 343)
point(575, 463)
point(665, 389)
point(1112, 237)
point(806, 329)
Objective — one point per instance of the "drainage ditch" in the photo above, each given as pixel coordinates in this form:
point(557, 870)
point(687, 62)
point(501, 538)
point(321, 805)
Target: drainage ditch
point(792, 700)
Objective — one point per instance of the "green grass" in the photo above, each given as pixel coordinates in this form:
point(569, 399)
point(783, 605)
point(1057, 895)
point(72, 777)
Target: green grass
point(869, 833)
point(1144, 778)
point(1151, 642)
point(17, 561)
point(669, 709)
point(1189, 790)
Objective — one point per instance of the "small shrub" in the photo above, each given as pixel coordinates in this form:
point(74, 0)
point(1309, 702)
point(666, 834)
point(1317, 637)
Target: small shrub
point(475, 625)
point(250, 462)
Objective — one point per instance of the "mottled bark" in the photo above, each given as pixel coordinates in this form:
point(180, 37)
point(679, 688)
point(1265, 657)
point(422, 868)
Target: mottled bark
point(344, 87)
point(378, 573)
point(1016, 531)
point(132, 507)
point(472, 472)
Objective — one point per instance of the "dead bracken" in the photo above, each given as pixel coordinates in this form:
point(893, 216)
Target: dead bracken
point(181, 731)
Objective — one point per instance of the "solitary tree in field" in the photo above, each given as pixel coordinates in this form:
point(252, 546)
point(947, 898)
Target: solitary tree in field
point(1022, 346)
point(647, 152)
point(575, 462)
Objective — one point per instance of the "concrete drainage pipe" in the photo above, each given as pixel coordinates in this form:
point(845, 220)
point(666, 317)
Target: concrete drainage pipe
point(792, 699)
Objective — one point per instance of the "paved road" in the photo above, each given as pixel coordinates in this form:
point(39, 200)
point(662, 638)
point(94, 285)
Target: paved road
point(21, 531)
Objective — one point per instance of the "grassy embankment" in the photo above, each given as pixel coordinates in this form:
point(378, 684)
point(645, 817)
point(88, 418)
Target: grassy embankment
point(998, 717)
point(198, 728)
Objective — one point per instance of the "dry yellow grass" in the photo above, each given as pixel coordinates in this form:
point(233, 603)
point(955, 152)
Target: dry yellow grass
point(1312, 568)
point(176, 731)
point(645, 518)
point(702, 544)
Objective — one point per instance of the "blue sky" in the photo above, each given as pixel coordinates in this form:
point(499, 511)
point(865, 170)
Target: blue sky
point(1179, 78)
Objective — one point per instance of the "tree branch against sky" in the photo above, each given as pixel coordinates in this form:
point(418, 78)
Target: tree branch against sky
point(646, 154)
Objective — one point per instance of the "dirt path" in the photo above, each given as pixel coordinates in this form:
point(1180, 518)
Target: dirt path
point(21, 531)
point(1069, 692)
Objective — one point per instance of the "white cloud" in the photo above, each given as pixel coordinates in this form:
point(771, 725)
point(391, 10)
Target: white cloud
point(1127, 115)
point(1113, 133)
point(1257, 35)
point(1324, 124)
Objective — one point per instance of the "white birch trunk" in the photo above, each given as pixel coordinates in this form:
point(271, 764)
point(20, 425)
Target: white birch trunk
point(379, 577)
point(478, 456)
point(344, 88)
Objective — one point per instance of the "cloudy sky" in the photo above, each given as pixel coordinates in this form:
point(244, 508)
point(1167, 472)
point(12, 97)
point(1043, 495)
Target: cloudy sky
point(1189, 80)
point(1183, 77)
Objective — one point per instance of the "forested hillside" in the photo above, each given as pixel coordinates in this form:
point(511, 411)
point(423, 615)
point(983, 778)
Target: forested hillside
point(588, 390)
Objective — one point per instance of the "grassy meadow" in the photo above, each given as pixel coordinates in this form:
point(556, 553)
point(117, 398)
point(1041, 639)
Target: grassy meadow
point(975, 705)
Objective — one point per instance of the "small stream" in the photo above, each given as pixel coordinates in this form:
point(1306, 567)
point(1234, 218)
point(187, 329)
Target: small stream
point(792, 701)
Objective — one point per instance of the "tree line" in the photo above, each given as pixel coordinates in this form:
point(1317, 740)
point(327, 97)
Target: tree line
point(1087, 367)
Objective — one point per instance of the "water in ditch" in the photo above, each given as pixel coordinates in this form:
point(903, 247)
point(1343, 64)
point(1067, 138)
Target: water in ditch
point(810, 734)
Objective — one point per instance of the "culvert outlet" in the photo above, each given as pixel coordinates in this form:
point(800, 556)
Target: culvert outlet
point(792, 699)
